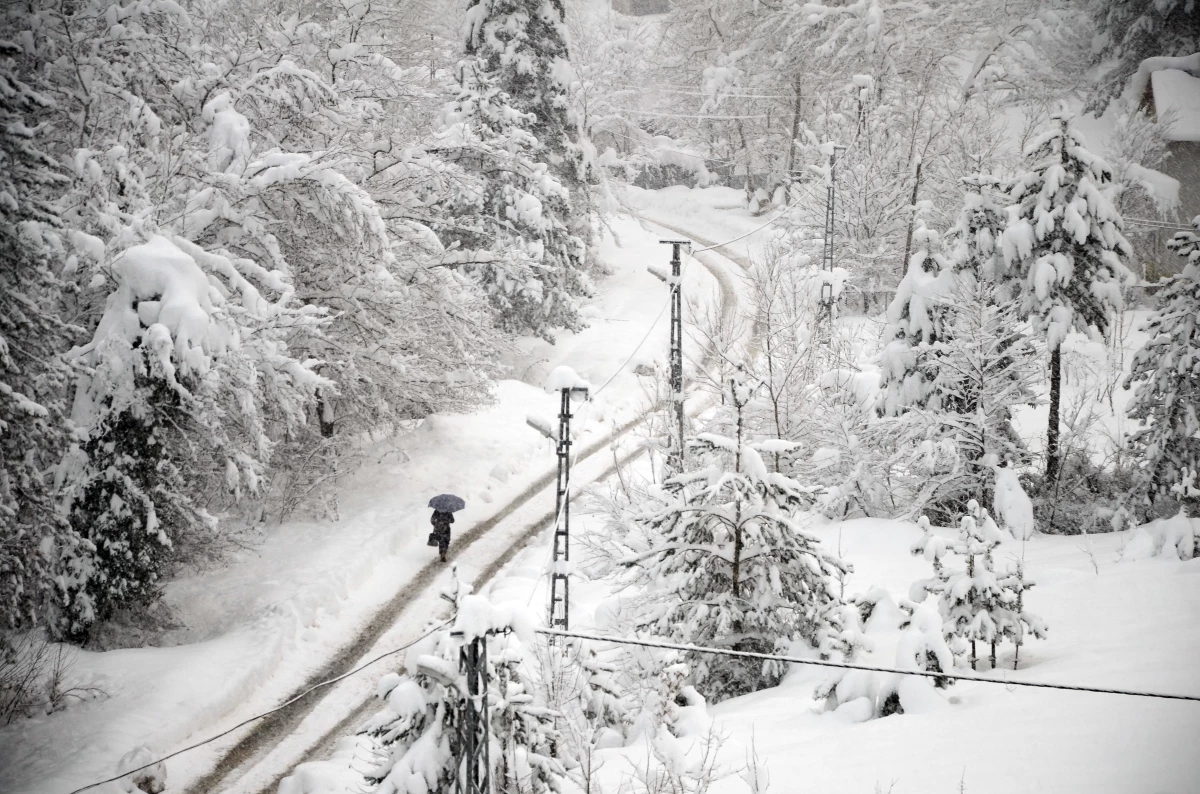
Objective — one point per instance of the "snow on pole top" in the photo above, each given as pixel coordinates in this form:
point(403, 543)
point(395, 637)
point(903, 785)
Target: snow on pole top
point(565, 378)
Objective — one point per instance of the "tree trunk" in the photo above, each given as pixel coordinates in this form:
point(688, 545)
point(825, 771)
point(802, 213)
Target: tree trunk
point(912, 215)
point(1052, 462)
point(791, 155)
point(325, 415)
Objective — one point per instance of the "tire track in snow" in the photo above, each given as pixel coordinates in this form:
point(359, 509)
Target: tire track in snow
point(263, 737)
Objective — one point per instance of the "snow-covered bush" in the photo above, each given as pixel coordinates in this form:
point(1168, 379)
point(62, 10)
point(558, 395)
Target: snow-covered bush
point(1167, 373)
point(417, 728)
point(1012, 504)
point(1177, 536)
point(729, 560)
point(915, 629)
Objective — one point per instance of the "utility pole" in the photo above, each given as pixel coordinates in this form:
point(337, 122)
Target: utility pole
point(827, 252)
point(675, 456)
point(560, 587)
point(474, 775)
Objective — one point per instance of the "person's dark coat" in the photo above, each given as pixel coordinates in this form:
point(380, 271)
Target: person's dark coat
point(441, 529)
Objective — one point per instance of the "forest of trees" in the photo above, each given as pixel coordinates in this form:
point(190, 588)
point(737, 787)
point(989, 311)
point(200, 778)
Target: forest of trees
point(239, 242)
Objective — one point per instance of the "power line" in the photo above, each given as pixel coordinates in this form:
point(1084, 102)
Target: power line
point(672, 646)
point(280, 707)
point(1159, 224)
point(700, 115)
point(688, 92)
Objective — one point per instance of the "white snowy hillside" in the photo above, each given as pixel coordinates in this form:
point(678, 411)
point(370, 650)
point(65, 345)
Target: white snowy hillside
point(344, 446)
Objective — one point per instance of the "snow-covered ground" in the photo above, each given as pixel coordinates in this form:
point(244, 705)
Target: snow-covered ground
point(255, 629)
point(1128, 625)
point(252, 631)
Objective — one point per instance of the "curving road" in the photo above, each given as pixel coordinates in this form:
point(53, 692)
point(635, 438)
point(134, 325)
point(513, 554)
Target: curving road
point(249, 757)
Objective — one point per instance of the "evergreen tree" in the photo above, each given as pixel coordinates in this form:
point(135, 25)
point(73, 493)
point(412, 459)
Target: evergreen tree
point(970, 598)
point(34, 377)
point(515, 127)
point(1167, 373)
point(1065, 247)
point(523, 45)
point(916, 321)
point(974, 240)
point(1016, 623)
point(168, 399)
point(985, 367)
point(958, 360)
point(734, 566)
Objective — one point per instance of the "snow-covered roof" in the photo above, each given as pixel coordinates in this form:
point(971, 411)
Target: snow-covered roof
point(1135, 89)
point(1177, 93)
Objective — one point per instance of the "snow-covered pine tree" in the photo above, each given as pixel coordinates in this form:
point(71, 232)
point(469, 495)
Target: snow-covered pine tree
point(417, 730)
point(956, 359)
point(34, 376)
point(524, 233)
point(523, 45)
point(974, 240)
point(915, 322)
point(513, 232)
point(1016, 623)
point(1064, 246)
point(1167, 373)
point(733, 564)
point(985, 366)
point(970, 598)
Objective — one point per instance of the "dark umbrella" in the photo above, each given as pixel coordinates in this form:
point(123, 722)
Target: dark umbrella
point(447, 503)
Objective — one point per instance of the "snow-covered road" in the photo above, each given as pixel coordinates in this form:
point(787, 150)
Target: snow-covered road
point(310, 728)
point(314, 597)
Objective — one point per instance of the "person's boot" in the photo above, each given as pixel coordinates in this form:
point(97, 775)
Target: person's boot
point(442, 555)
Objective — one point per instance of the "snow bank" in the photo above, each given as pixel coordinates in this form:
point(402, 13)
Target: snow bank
point(335, 776)
point(1177, 537)
point(1013, 504)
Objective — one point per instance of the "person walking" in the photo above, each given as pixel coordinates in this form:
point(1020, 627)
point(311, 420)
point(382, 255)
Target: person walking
point(444, 507)
point(441, 521)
